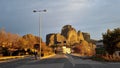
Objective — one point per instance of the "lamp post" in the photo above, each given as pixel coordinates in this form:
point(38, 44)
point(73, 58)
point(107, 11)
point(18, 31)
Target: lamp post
point(40, 11)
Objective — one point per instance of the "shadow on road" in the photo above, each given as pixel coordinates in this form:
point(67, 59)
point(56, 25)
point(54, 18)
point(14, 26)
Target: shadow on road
point(48, 61)
point(78, 57)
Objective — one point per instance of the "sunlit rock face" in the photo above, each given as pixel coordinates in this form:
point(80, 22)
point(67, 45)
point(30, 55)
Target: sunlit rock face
point(50, 39)
point(66, 29)
point(80, 36)
point(80, 41)
point(54, 39)
point(59, 39)
point(71, 35)
point(68, 36)
point(86, 36)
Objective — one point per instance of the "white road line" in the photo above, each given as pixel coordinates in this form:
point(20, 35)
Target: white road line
point(71, 60)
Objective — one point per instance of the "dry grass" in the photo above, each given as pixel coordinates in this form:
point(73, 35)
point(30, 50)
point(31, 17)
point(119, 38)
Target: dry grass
point(111, 58)
point(106, 58)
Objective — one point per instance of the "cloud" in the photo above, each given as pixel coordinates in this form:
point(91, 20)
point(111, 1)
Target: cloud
point(91, 16)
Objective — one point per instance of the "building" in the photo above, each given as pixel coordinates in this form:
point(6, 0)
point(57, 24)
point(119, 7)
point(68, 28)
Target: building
point(99, 44)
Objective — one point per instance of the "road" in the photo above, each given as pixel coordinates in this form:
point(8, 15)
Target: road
point(58, 61)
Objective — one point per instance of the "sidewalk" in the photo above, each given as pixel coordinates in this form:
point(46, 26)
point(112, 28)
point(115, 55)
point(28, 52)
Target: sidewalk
point(81, 56)
point(10, 58)
point(83, 60)
point(75, 54)
point(48, 56)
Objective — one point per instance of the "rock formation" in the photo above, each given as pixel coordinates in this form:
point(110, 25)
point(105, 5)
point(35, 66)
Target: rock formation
point(55, 39)
point(50, 38)
point(80, 36)
point(68, 36)
point(59, 39)
point(86, 36)
point(80, 41)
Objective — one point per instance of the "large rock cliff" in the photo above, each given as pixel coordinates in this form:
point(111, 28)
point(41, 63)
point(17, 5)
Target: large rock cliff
point(86, 36)
point(80, 41)
point(50, 38)
point(55, 39)
point(80, 36)
point(68, 36)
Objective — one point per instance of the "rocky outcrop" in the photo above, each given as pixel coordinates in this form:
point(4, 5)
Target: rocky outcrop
point(66, 30)
point(80, 41)
point(72, 37)
point(80, 36)
point(86, 36)
point(55, 39)
point(68, 36)
point(50, 38)
point(59, 39)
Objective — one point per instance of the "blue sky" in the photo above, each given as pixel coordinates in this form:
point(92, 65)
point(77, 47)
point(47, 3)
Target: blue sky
point(92, 16)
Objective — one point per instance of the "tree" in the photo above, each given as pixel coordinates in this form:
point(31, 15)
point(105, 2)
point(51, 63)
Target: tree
point(111, 40)
point(3, 38)
point(31, 40)
point(84, 48)
point(14, 44)
point(8, 40)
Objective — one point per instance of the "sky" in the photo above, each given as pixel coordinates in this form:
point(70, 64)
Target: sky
point(92, 16)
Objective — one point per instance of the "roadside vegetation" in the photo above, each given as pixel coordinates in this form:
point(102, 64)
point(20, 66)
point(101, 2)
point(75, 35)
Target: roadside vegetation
point(16, 45)
point(111, 50)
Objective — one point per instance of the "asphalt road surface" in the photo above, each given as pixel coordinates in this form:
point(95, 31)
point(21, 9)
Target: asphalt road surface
point(58, 61)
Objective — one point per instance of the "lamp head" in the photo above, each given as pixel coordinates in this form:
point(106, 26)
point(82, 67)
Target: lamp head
point(45, 10)
point(34, 11)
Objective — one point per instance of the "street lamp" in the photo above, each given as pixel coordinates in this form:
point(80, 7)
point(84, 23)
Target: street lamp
point(39, 11)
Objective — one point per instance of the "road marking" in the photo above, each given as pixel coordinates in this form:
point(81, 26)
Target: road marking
point(71, 60)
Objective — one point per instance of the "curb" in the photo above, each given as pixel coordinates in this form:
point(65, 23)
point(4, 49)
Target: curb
point(48, 56)
point(11, 57)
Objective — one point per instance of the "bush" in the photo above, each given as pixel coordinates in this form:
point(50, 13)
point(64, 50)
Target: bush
point(111, 40)
point(5, 51)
